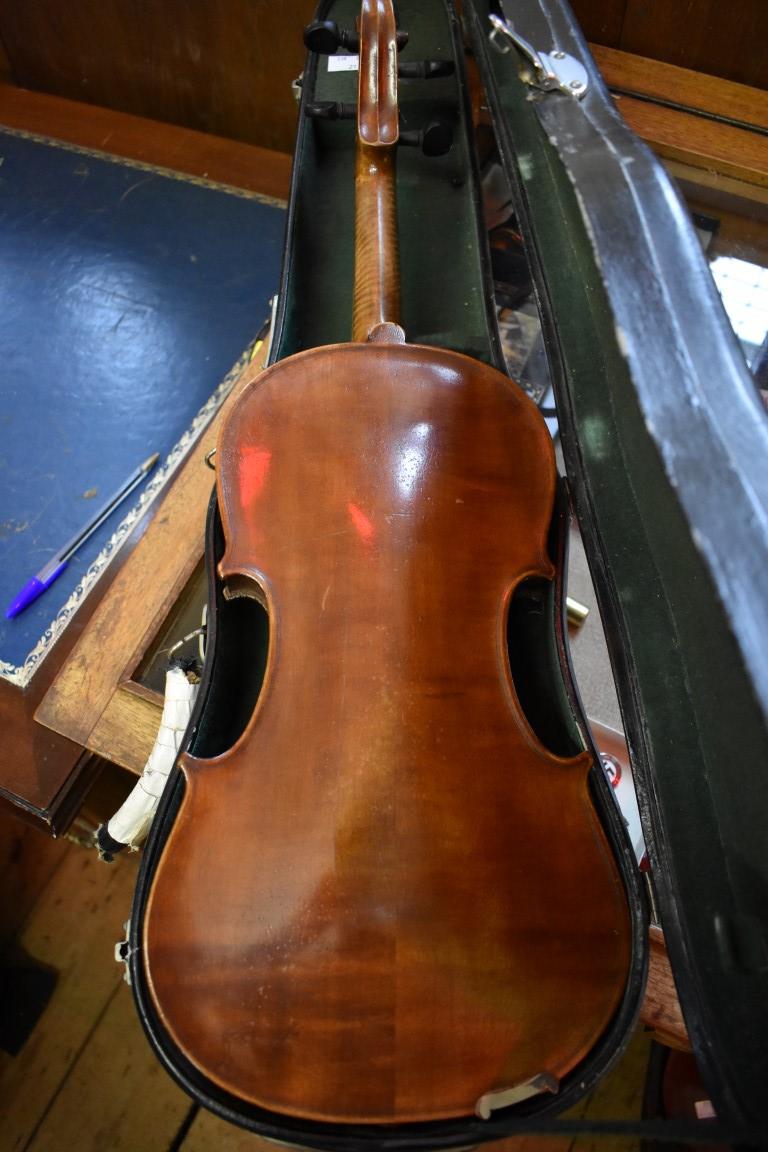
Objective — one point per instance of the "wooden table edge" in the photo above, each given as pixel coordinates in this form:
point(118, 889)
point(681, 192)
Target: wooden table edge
point(180, 150)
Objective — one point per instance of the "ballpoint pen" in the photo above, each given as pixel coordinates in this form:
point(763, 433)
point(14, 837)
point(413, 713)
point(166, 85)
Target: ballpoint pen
point(56, 565)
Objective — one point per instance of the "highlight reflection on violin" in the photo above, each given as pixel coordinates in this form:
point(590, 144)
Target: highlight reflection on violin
point(371, 908)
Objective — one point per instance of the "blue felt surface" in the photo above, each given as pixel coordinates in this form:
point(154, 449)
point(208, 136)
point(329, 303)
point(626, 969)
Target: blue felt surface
point(127, 296)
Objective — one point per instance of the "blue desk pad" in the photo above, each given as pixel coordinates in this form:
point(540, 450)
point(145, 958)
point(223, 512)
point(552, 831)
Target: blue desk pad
point(129, 295)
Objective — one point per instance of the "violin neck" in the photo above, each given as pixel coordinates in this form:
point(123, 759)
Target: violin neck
point(377, 261)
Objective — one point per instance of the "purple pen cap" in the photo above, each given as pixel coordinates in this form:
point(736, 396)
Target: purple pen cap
point(34, 588)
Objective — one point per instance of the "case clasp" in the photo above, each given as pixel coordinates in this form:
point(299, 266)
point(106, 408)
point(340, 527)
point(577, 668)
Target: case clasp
point(553, 71)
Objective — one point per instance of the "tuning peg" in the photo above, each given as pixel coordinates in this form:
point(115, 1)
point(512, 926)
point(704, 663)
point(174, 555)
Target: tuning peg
point(434, 140)
point(325, 37)
point(331, 110)
point(425, 69)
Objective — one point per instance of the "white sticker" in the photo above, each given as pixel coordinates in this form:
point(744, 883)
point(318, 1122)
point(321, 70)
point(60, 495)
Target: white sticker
point(343, 63)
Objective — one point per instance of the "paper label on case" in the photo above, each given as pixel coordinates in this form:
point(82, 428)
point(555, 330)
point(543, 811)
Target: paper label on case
point(343, 63)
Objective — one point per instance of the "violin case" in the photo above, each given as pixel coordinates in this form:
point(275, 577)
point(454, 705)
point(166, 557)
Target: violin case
point(665, 447)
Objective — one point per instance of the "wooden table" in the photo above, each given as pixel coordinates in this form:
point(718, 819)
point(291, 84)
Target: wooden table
point(53, 739)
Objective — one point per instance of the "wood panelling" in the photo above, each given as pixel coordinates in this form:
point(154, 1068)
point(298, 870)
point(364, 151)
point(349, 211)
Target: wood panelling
point(706, 35)
point(697, 142)
point(637, 74)
point(5, 64)
point(645, 88)
point(223, 67)
point(601, 20)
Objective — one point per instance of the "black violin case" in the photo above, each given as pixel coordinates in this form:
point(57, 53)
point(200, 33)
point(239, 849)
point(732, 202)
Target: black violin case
point(665, 447)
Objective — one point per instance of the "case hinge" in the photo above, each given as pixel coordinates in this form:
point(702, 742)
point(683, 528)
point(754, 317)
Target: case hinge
point(553, 71)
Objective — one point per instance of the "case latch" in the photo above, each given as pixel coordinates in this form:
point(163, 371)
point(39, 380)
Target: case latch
point(553, 71)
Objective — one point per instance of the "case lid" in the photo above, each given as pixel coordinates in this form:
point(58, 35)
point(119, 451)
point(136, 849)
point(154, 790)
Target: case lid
point(665, 444)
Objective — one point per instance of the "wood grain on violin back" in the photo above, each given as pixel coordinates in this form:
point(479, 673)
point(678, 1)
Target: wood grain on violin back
point(387, 899)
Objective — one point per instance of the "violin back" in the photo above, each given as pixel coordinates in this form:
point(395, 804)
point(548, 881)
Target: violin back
point(387, 902)
point(371, 908)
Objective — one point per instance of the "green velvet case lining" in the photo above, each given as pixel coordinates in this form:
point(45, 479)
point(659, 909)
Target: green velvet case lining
point(444, 275)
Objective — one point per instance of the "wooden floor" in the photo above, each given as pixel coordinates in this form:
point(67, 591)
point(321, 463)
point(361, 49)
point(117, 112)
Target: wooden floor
point(85, 1078)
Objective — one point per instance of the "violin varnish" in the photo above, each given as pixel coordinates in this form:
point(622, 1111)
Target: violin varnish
point(388, 900)
point(377, 263)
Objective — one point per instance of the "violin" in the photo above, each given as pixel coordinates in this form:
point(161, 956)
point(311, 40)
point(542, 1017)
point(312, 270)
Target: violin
point(388, 902)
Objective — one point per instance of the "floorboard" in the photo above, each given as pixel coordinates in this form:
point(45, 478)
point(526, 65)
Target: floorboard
point(28, 860)
point(619, 1097)
point(72, 928)
point(208, 1132)
point(116, 1096)
point(86, 1077)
